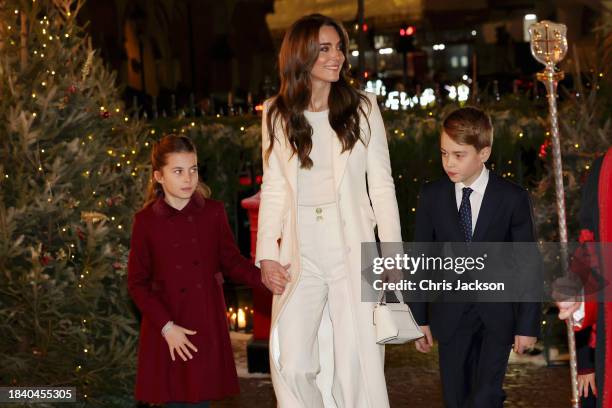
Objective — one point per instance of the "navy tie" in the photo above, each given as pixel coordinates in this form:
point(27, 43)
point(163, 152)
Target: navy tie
point(465, 214)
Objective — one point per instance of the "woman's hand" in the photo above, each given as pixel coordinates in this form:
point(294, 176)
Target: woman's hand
point(274, 276)
point(176, 337)
point(584, 382)
point(392, 276)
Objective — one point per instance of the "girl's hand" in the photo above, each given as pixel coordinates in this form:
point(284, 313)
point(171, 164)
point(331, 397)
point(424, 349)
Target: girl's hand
point(176, 337)
point(274, 276)
point(584, 382)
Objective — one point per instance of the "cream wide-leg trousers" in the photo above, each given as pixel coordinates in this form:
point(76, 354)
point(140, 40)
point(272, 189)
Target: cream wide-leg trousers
point(322, 288)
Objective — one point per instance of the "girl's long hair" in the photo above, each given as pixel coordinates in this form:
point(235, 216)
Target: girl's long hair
point(299, 51)
point(170, 144)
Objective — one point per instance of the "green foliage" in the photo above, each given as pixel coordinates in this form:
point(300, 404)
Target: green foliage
point(71, 176)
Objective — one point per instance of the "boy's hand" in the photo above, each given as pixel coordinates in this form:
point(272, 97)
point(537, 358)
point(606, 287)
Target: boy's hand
point(584, 382)
point(425, 343)
point(176, 337)
point(522, 343)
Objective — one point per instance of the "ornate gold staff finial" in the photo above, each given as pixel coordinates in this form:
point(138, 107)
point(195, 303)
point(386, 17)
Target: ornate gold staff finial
point(548, 42)
point(549, 46)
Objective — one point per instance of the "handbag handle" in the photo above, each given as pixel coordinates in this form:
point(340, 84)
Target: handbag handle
point(398, 295)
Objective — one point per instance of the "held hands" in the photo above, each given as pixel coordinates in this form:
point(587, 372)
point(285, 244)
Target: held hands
point(275, 276)
point(584, 382)
point(523, 343)
point(425, 343)
point(176, 337)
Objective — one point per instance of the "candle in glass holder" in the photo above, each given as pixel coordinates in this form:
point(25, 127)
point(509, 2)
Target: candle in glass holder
point(241, 319)
point(233, 321)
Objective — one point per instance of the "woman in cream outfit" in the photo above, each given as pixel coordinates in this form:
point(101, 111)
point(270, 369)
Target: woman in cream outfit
point(321, 138)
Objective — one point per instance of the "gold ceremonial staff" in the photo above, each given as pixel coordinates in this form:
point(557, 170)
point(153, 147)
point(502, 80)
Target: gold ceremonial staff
point(548, 46)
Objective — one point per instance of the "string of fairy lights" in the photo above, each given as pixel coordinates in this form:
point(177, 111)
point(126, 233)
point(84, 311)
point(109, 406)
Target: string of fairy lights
point(71, 250)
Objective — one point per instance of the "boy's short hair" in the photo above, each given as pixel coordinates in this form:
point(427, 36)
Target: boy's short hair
point(470, 126)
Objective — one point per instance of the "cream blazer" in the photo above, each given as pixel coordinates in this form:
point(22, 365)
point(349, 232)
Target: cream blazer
point(360, 212)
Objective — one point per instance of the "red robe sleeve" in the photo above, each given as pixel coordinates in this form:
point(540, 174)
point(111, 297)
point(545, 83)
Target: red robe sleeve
point(590, 315)
point(140, 277)
point(582, 264)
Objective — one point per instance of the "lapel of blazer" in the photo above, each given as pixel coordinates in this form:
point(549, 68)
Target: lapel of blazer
point(450, 201)
point(490, 204)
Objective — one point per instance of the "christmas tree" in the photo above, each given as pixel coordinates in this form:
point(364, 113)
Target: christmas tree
point(72, 172)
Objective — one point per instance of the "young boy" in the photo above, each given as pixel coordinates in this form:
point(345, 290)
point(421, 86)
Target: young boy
point(473, 204)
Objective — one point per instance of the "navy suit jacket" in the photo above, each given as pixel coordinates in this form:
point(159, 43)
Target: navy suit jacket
point(505, 216)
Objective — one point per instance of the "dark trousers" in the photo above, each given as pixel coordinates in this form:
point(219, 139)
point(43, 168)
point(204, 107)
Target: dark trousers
point(473, 365)
point(203, 404)
point(588, 402)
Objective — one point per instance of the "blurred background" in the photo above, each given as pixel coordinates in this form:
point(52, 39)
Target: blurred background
point(204, 52)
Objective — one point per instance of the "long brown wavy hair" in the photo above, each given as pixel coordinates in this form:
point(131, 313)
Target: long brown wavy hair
point(299, 52)
point(169, 144)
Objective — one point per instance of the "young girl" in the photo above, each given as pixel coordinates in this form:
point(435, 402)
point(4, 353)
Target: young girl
point(181, 248)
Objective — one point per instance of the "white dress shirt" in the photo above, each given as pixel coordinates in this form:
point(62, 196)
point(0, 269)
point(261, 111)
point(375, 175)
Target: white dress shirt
point(478, 186)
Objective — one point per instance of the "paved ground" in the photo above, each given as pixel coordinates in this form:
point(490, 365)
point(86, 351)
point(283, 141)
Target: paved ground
point(413, 381)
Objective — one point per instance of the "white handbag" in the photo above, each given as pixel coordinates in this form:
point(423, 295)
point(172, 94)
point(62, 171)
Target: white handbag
point(394, 323)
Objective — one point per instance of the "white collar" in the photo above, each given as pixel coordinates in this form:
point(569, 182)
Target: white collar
point(479, 185)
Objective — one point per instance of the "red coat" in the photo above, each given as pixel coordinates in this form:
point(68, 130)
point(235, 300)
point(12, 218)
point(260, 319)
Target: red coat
point(175, 272)
point(601, 189)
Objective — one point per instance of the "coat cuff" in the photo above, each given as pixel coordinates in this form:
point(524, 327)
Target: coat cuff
point(266, 249)
point(419, 312)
